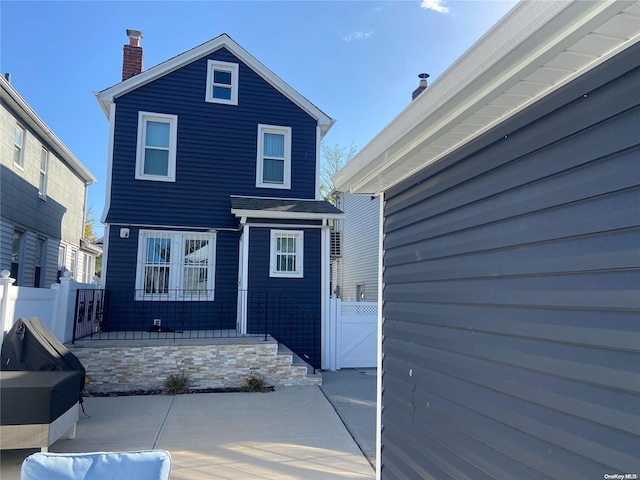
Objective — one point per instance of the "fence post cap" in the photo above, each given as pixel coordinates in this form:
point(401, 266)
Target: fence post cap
point(5, 277)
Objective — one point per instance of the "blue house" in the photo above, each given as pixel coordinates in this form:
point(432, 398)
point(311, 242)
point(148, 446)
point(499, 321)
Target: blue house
point(213, 217)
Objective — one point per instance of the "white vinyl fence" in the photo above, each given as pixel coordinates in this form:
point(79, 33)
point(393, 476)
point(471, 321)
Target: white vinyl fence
point(55, 307)
point(352, 335)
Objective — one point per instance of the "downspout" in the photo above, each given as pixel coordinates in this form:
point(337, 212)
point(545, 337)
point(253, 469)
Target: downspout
point(379, 342)
point(84, 210)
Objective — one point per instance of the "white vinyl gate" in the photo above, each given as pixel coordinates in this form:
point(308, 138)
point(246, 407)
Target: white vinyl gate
point(352, 335)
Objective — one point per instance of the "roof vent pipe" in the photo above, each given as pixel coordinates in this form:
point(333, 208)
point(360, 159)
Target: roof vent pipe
point(422, 86)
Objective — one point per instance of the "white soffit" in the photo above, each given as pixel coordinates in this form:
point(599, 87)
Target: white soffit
point(534, 50)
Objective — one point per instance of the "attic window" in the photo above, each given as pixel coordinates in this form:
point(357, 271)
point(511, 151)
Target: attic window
point(222, 82)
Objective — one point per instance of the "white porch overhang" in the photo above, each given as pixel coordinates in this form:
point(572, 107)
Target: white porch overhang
point(283, 208)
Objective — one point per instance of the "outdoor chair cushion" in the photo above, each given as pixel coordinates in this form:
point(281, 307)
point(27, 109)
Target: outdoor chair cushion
point(143, 465)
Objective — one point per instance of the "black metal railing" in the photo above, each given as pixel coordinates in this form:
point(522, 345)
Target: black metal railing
point(179, 314)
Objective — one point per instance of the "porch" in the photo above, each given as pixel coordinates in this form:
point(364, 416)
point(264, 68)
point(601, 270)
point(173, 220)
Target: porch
point(214, 359)
point(129, 341)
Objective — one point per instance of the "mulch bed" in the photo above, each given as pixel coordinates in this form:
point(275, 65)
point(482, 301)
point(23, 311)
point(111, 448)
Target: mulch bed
point(131, 393)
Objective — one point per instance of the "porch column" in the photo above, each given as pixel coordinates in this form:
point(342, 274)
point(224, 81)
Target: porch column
point(243, 275)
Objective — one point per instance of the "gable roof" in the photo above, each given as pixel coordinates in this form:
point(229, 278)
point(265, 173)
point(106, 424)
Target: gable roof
point(29, 117)
point(107, 96)
point(536, 49)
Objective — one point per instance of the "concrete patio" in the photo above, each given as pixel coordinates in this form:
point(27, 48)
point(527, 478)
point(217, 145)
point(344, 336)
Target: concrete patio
point(292, 433)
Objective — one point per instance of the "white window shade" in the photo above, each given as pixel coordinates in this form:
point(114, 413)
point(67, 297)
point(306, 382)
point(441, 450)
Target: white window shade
point(273, 164)
point(157, 145)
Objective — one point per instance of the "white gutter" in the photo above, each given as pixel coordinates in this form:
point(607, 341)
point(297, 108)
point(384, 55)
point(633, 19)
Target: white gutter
point(537, 48)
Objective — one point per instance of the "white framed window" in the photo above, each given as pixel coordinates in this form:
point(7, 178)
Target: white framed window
point(73, 267)
point(17, 256)
point(222, 82)
point(286, 253)
point(88, 267)
point(18, 146)
point(273, 169)
point(39, 262)
point(44, 173)
point(157, 142)
point(62, 260)
point(175, 265)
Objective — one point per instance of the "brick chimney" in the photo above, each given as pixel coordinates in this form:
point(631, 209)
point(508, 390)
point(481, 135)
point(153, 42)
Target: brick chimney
point(423, 86)
point(132, 55)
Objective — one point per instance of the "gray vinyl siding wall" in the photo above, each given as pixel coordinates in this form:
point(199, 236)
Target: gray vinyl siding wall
point(511, 296)
point(57, 217)
point(50, 262)
point(27, 268)
point(360, 246)
point(6, 244)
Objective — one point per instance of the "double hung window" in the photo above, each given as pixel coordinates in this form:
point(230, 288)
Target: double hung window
point(88, 266)
point(18, 146)
point(274, 157)
point(44, 169)
point(17, 256)
point(175, 265)
point(73, 268)
point(62, 260)
point(222, 82)
point(156, 154)
point(287, 253)
point(39, 261)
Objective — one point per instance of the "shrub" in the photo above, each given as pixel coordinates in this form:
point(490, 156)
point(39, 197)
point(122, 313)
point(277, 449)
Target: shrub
point(177, 383)
point(255, 383)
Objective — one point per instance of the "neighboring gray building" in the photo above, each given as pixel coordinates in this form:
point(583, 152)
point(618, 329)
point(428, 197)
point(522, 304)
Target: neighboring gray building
point(42, 198)
point(355, 248)
point(511, 262)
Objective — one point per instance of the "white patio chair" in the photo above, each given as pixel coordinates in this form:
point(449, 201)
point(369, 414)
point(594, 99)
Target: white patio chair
point(142, 465)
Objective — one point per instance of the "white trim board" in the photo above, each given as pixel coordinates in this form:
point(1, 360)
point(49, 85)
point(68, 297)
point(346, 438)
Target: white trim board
point(107, 96)
point(532, 52)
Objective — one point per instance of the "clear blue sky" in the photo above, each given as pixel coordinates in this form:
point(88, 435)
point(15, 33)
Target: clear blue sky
point(358, 61)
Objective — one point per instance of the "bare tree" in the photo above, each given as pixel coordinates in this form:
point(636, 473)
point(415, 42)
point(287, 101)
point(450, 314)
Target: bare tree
point(333, 159)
